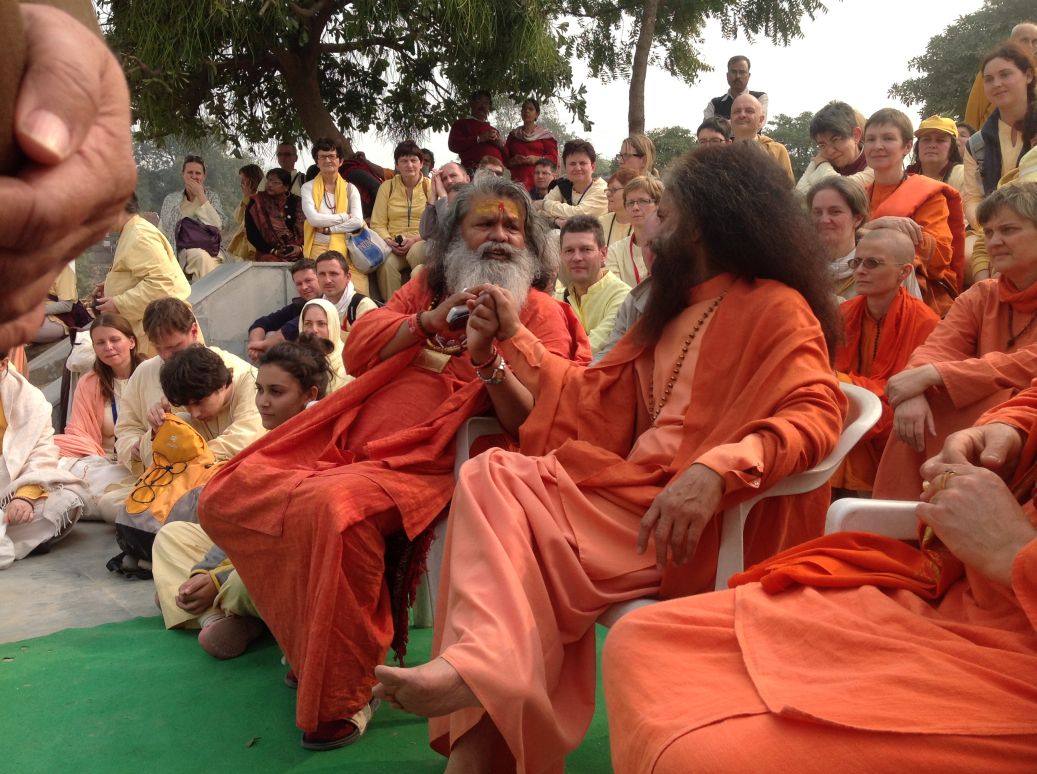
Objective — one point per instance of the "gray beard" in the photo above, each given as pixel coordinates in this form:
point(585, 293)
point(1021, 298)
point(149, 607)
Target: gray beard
point(466, 268)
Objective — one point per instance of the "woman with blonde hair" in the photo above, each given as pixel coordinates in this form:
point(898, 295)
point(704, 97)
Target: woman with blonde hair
point(637, 153)
point(625, 260)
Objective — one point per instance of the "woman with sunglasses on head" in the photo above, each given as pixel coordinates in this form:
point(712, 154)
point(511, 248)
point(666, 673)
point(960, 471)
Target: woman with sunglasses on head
point(981, 354)
point(883, 326)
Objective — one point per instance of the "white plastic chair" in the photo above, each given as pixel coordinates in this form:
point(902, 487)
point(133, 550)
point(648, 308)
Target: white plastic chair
point(892, 518)
point(864, 411)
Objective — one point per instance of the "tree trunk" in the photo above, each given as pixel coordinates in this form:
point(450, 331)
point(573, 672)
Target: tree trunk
point(301, 78)
point(639, 68)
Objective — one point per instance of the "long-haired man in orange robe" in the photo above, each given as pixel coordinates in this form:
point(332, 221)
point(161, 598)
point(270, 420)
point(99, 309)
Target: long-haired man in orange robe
point(723, 388)
point(305, 512)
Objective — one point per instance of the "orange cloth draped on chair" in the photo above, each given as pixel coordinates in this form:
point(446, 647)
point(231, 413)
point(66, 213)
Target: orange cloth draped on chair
point(979, 371)
point(303, 512)
point(868, 363)
point(539, 546)
point(852, 647)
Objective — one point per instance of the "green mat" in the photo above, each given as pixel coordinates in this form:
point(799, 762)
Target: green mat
point(132, 696)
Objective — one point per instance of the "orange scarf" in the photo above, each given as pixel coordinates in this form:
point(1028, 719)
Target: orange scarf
point(1021, 300)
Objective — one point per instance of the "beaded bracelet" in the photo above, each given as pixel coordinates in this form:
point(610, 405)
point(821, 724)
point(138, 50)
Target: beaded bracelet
point(498, 373)
point(417, 321)
point(490, 359)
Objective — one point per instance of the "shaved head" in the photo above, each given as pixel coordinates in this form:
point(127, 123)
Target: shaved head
point(746, 116)
point(1025, 34)
point(893, 244)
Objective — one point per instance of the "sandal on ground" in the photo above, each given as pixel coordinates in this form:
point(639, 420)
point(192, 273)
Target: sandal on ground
point(340, 733)
point(291, 679)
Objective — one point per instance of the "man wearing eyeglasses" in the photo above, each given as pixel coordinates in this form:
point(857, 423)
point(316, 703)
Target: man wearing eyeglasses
point(884, 324)
point(287, 155)
point(738, 84)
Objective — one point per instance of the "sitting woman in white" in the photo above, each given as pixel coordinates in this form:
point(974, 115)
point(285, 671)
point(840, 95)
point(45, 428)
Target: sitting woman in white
point(199, 203)
point(39, 502)
point(88, 443)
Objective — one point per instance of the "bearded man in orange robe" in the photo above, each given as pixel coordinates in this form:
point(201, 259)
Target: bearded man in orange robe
point(856, 648)
point(723, 388)
point(304, 513)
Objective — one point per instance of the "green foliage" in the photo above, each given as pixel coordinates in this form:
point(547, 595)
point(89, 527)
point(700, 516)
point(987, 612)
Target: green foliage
point(246, 71)
point(507, 114)
point(611, 28)
point(948, 67)
point(794, 134)
point(671, 142)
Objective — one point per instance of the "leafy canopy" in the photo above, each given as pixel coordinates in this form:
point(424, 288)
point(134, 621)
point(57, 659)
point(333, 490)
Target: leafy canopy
point(948, 67)
point(246, 71)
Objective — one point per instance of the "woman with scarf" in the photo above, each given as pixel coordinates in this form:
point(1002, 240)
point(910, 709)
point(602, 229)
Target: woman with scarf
point(274, 220)
point(88, 444)
point(320, 320)
point(981, 354)
point(529, 143)
point(332, 209)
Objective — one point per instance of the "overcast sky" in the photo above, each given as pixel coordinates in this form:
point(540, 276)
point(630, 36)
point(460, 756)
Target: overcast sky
point(855, 52)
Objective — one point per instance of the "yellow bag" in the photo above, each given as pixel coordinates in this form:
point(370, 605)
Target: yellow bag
point(182, 461)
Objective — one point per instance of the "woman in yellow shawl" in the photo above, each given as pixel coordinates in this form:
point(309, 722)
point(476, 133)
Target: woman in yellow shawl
point(332, 208)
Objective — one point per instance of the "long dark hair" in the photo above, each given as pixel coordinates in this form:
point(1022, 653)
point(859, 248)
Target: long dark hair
point(304, 360)
point(105, 374)
point(750, 224)
point(1021, 58)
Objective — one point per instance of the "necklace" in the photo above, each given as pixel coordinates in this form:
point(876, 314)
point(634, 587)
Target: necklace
point(1013, 337)
point(874, 349)
point(329, 202)
point(655, 410)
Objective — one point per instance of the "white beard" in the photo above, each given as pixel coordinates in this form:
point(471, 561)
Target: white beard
point(466, 268)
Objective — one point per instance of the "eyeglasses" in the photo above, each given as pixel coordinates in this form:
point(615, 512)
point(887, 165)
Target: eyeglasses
point(625, 156)
point(868, 263)
point(327, 157)
point(712, 141)
point(631, 203)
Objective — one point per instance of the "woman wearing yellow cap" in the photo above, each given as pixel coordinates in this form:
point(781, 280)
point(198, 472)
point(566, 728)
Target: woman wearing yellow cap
point(936, 152)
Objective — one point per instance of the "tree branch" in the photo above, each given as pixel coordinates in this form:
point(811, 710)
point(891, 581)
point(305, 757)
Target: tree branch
point(312, 11)
point(358, 45)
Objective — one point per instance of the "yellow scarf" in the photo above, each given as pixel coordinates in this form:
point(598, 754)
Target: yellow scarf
point(338, 241)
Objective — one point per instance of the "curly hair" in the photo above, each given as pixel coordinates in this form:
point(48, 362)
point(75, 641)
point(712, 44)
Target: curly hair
point(304, 360)
point(750, 224)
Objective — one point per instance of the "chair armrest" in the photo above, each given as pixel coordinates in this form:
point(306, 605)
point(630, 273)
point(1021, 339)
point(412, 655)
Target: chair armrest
point(892, 518)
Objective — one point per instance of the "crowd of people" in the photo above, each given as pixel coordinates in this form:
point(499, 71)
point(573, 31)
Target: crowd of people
point(657, 346)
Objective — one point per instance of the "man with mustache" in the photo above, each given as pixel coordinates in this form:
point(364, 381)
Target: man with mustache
point(721, 389)
point(304, 514)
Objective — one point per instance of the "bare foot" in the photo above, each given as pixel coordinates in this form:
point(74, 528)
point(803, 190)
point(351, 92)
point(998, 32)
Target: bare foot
point(430, 690)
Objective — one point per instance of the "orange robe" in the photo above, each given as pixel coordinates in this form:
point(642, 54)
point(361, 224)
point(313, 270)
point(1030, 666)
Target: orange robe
point(539, 546)
point(979, 371)
point(937, 208)
point(868, 357)
point(892, 667)
point(303, 512)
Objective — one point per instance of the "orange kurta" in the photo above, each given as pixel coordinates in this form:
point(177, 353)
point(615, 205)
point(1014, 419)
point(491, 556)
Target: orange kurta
point(539, 546)
point(969, 349)
point(887, 669)
point(870, 354)
point(303, 511)
point(940, 255)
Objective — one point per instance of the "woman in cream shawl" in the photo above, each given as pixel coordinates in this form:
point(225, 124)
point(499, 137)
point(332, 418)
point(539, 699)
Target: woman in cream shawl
point(328, 327)
point(39, 502)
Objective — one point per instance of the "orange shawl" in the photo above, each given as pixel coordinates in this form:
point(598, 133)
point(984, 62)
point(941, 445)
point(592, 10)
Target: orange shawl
point(905, 326)
point(939, 260)
point(763, 368)
point(83, 433)
point(413, 463)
